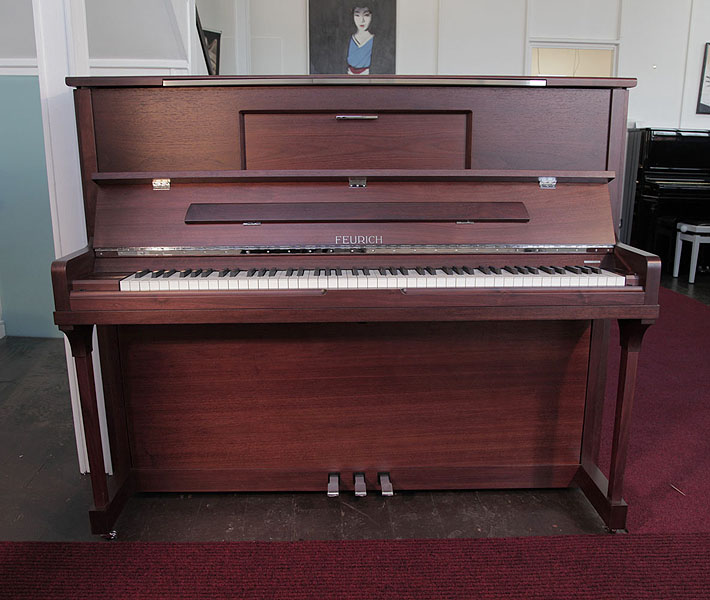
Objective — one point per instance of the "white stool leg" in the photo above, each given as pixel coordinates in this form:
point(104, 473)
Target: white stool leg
point(694, 258)
point(678, 251)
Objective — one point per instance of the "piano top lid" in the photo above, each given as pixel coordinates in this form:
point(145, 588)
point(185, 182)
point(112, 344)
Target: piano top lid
point(416, 80)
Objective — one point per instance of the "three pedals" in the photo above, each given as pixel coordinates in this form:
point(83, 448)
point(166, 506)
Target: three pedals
point(359, 484)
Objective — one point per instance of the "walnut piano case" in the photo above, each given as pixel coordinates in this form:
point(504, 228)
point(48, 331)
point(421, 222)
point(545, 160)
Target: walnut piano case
point(351, 284)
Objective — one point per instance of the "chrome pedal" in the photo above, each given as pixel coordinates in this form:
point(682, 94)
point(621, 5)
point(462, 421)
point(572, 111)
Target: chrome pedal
point(333, 485)
point(386, 484)
point(360, 487)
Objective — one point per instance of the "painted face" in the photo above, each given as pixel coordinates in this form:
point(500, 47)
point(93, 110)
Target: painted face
point(362, 17)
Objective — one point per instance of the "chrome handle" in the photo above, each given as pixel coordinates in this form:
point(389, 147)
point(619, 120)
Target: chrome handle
point(356, 117)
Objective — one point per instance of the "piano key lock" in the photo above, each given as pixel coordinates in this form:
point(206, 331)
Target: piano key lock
point(360, 485)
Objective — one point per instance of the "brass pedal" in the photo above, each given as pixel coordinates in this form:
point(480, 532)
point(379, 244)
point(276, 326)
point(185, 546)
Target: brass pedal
point(333, 485)
point(386, 484)
point(360, 487)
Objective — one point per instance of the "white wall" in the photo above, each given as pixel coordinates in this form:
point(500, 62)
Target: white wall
point(654, 42)
point(485, 37)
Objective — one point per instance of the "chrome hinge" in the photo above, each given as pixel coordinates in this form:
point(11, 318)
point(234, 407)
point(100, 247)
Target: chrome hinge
point(161, 184)
point(547, 183)
point(357, 182)
point(251, 223)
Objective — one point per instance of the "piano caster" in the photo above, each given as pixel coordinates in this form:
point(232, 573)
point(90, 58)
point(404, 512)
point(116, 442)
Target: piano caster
point(360, 487)
point(110, 536)
point(333, 485)
point(386, 484)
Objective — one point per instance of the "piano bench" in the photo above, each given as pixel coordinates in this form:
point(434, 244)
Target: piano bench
point(697, 233)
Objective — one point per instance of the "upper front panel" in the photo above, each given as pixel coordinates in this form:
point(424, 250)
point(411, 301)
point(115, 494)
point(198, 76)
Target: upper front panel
point(296, 127)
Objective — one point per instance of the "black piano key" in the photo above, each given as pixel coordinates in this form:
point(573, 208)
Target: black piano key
point(430, 270)
point(485, 270)
point(383, 271)
point(587, 270)
point(185, 272)
point(548, 270)
point(300, 272)
point(419, 270)
point(338, 272)
point(157, 273)
point(572, 269)
point(272, 272)
point(403, 270)
point(467, 270)
point(328, 272)
point(596, 270)
point(169, 273)
point(509, 269)
point(447, 270)
point(224, 272)
point(392, 270)
point(234, 272)
point(355, 271)
point(533, 270)
point(366, 271)
point(559, 270)
point(142, 273)
point(251, 273)
point(457, 270)
point(262, 272)
point(496, 270)
point(289, 272)
point(206, 272)
point(522, 270)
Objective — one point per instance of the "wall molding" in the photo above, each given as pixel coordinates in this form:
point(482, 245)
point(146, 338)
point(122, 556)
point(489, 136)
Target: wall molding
point(18, 66)
point(138, 63)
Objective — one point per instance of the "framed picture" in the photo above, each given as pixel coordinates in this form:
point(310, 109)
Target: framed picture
point(354, 38)
point(704, 94)
point(209, 40)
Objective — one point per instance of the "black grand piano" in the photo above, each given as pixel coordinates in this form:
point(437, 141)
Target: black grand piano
point(673, 184)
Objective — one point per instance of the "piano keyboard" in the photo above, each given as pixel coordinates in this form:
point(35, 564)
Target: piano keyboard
point(165, 280)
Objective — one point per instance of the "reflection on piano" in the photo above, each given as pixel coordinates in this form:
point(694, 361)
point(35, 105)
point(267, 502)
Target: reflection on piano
point(673, 185)
point(353, 284)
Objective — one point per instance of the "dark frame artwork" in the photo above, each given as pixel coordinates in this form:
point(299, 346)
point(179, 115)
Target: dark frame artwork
point(704, 93)
point(210, 42)
point(332, 40)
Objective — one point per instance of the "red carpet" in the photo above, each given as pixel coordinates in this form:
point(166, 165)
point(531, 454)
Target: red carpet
point(670, 434)
point(622, 567)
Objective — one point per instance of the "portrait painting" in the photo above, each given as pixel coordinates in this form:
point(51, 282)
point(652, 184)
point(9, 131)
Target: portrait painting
point(352, 38)
point(704, 94)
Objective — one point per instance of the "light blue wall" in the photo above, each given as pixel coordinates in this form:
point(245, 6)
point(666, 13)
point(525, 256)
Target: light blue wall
point(26, 246)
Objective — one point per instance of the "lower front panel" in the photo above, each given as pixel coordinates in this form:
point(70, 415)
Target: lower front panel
point(250, 407)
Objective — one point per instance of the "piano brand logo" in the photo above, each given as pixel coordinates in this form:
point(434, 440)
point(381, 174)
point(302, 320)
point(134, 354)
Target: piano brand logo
point(352, 240)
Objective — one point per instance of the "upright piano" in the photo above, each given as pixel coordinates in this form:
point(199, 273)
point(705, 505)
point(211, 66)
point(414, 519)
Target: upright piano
point(673, 184)
point(353, 285)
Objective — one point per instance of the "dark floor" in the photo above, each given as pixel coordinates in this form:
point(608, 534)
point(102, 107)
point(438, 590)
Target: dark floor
point(43, 496)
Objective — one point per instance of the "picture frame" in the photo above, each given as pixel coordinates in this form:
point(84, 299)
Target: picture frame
point(210, 43)
point(703, 107)
point(353, 38)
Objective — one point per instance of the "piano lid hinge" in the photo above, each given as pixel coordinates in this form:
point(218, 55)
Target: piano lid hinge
point(547, 183)
point(251, 223)
point(357, 182)
point(161, 184)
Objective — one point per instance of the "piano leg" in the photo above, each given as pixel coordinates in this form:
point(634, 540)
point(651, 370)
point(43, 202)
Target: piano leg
point(108, 499)
point(606, 495)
